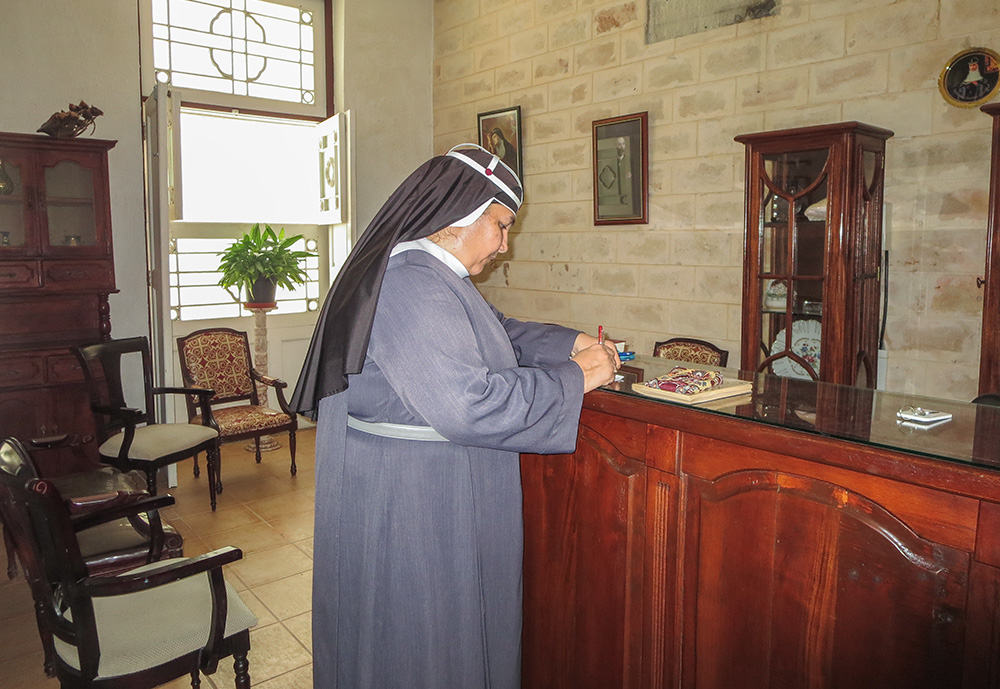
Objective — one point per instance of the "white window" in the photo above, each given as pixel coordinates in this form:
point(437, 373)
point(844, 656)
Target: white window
point(224, 52)
point(248, 169)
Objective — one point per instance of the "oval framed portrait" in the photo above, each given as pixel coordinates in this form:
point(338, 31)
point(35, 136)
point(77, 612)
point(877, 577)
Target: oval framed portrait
point(971, 77)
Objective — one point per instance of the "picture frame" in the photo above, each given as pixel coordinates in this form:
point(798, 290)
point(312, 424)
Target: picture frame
point(970, 78)
point(500, 134)
point(621, 170)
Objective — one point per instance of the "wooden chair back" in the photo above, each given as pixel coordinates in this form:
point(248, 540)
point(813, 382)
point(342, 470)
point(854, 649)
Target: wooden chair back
point(692, 351)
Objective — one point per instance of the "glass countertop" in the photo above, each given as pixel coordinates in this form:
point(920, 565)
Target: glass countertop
point(972, 436)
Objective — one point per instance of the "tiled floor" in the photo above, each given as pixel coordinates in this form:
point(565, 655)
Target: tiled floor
point(264, 511)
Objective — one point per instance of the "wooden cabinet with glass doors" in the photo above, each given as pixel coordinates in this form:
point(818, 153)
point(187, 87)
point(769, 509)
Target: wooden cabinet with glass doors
point(56, 272)
point(813, 246)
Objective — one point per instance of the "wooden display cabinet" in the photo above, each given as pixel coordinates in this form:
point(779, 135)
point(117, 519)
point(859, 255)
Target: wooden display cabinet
point(813, 250)
point(989, 356)
point(56, 272)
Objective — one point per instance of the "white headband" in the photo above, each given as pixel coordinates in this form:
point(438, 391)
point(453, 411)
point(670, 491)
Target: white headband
point(488, 173)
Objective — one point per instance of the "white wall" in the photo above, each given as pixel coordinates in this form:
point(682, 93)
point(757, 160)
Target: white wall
point(56, 52)
point(383, 76)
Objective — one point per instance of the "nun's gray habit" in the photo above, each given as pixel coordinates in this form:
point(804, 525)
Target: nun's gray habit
point(425, 398)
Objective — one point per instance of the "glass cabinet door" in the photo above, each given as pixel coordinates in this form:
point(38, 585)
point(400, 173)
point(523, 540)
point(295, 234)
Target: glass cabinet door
point(790, 275)
point(15, 201)
point(69, 205)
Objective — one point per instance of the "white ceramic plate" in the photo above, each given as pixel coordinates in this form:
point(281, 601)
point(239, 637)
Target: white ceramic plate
point(805, 343)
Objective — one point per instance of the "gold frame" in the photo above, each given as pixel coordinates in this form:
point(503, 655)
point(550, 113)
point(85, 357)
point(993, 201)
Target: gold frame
point(949, 86)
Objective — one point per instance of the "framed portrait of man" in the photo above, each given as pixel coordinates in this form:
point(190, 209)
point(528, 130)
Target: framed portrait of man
point(500, 134)
point(621, 170)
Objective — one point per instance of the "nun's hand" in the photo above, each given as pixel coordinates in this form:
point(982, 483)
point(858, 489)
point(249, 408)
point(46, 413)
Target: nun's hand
point(599, 363)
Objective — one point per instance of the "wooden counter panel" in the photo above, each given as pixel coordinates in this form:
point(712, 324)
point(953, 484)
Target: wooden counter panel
point(583, 557)
point(661, 448)
point(937, 516)
point(628, 437)
point(795, 582)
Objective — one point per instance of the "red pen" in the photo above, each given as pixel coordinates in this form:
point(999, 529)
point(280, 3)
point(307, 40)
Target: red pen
point(600, 334)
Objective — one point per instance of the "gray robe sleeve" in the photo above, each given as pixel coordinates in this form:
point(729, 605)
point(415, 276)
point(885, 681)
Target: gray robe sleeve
point(451, 361)
point(538, 344)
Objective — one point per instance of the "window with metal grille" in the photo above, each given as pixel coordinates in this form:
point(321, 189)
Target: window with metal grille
point(194, 282)
point(225, 52)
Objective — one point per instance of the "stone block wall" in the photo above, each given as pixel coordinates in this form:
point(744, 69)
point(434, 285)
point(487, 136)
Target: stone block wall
point(570, 62)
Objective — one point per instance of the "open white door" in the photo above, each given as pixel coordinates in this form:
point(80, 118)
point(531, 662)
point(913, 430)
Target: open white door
point(161, 138)
point(334, 154)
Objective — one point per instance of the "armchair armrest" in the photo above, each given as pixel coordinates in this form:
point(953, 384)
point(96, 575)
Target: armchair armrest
point(267, 380)
point(204, 396)
point(91, 510)
point(165, 573)
point(279, 388)
point(200, 392)
point(130, 415)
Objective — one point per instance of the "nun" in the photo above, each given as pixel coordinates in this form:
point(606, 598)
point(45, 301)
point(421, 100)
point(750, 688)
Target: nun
point(425, 396)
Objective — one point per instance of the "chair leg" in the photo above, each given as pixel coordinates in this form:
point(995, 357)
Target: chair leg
point(256, 444)
point(291, 450)
point(195, 679)
point(242, 668)
point(197, 469)
point(8, 544)
point(48, 647)
point(210, 461)
point(151, 481)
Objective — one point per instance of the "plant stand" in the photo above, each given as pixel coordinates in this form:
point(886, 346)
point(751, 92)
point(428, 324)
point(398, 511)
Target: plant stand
point(259, 311)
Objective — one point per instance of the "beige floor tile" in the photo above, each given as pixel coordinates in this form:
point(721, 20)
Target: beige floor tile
point(274, 651)
point(306, 546)
point(272, 564)
point(294, 527)
point(258, 489)
point(26, 672)
point(284, 504)
point(301, 627)
point(249, 538)
point(19, 637)
point(296, 679)
point(15, 598)
point(287, 597)
point(223, 519)
point(257, 607)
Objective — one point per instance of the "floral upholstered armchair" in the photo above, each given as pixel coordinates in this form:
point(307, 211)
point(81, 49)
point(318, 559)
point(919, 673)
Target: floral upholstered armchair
point(219, 359)
point(691, 351)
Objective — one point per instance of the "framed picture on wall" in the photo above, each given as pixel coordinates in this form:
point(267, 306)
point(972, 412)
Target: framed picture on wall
point(500, 134)
point(971, 77)
point(621, 170)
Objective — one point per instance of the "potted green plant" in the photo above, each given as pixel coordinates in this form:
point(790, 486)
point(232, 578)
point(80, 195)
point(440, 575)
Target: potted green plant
point(259, 262)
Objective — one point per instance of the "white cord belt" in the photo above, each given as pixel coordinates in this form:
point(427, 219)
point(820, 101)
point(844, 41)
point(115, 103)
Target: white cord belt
point(395, 430)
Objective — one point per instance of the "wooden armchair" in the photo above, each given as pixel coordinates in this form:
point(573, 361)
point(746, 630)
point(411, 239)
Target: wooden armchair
point(219, 359)
point(131, 438)
point(108, 547)
point(692, 351)
point(140, 628)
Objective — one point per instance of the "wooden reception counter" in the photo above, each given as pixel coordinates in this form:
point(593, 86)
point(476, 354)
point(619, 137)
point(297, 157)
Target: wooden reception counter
point(793, 537)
